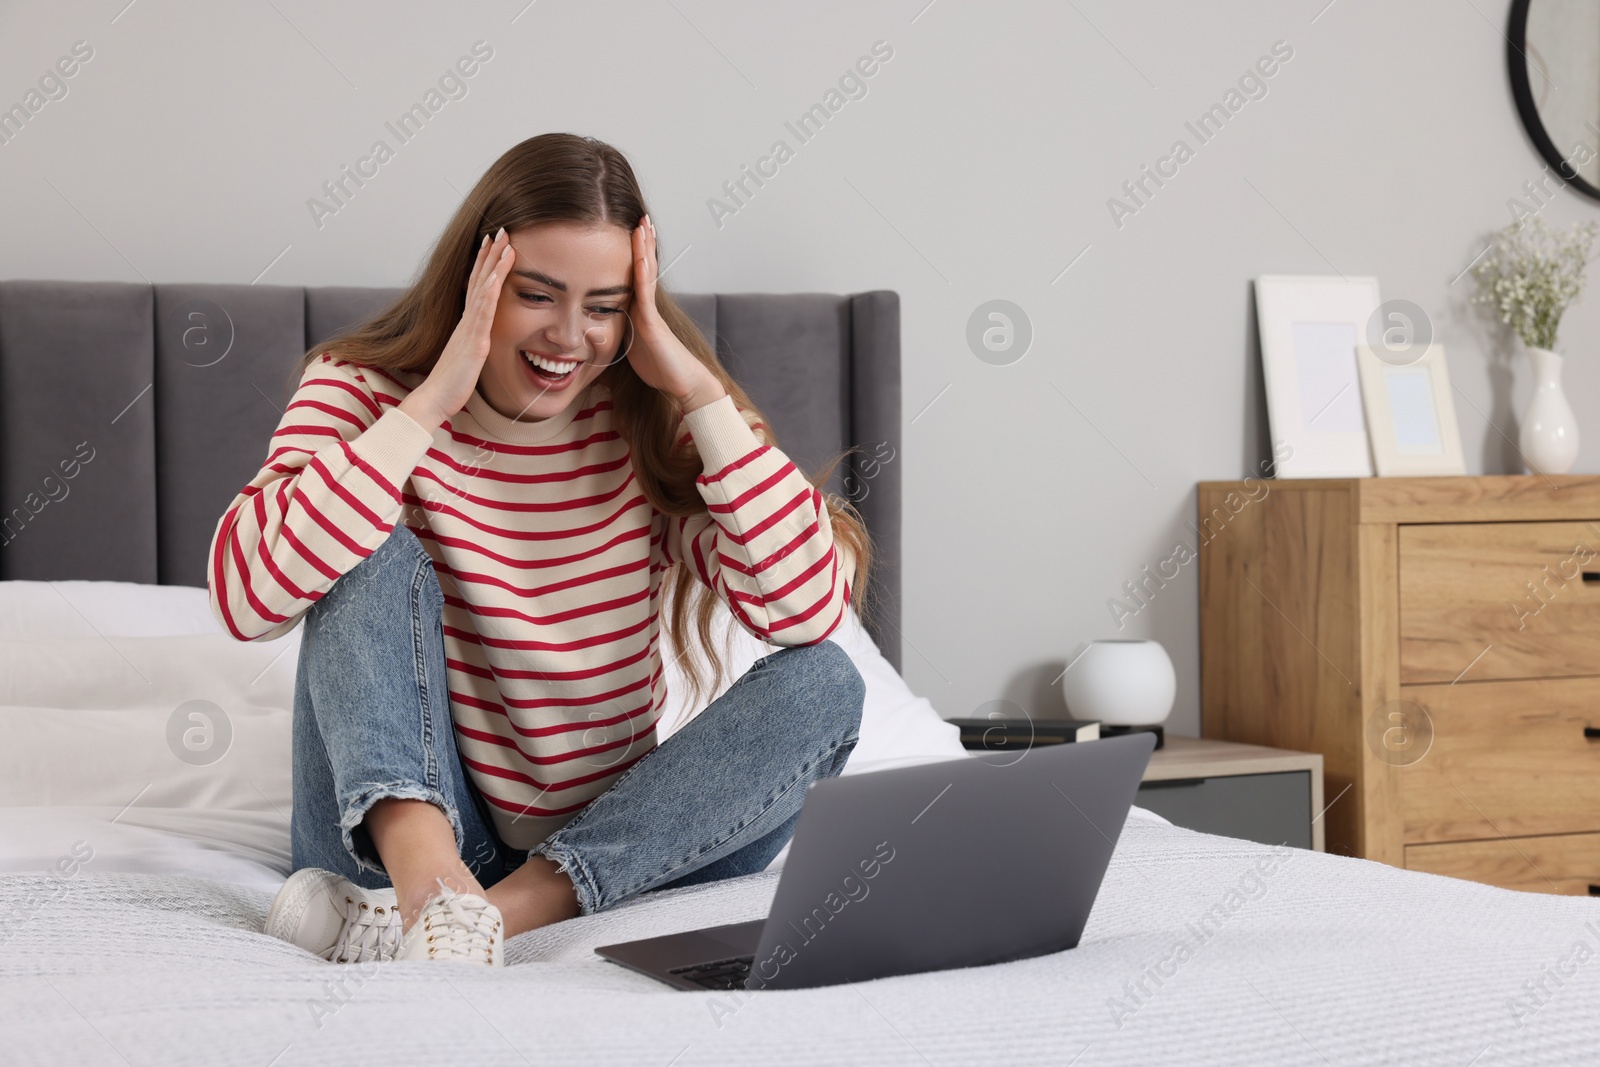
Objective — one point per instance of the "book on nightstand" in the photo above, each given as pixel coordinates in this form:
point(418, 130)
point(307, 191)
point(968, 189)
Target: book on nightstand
point(996, 734)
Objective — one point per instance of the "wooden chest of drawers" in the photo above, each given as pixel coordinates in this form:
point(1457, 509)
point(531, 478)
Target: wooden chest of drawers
point(1437, 640)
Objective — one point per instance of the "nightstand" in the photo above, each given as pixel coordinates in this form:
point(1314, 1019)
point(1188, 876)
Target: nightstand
point(1270, 795)
point(1438, 641)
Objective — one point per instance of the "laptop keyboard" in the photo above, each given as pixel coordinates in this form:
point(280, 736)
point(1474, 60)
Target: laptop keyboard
point(720, 974)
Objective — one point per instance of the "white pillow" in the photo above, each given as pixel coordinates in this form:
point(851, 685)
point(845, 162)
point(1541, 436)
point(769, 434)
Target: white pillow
point(167, 722)
point(897, 726)
point(36, 611)
point(154, 731)
point(92, 675)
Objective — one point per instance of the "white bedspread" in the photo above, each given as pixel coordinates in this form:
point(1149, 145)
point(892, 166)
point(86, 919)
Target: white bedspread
point(1325, 960)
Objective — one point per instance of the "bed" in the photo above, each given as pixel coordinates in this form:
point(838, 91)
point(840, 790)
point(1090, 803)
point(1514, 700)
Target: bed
point(144, 784)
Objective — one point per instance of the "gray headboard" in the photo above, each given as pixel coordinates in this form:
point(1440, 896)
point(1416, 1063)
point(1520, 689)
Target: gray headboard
point(130, 415)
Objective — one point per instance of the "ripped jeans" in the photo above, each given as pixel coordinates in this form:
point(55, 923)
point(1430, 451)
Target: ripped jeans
point(717, 799)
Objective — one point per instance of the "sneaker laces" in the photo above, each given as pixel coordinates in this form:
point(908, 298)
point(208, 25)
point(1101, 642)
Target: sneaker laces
point(460, 926)
point(371, 932)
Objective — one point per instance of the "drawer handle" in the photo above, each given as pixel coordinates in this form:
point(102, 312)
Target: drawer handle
point(1591, 576)
point(1175, 783)
point(1592, 732)
point(1594, 890)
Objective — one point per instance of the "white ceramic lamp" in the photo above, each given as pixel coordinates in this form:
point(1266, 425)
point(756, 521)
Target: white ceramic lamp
point(1121, 683)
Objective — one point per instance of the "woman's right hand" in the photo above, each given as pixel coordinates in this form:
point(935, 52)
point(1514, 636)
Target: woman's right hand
point(454, 377)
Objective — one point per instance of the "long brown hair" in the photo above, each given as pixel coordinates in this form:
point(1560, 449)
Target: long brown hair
point(562, 177)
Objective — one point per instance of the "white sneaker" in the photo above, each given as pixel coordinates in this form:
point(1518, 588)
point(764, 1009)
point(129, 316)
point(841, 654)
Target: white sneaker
point(332, 917)
point(456, 926)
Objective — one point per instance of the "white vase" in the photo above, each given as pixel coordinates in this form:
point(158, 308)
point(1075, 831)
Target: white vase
point(1120, 683)
point(1549, 438)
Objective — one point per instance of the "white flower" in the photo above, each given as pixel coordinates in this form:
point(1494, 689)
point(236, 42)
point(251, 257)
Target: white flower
point(1532, 275)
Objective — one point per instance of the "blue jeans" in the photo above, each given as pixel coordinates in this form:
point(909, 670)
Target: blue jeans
point(717, 799)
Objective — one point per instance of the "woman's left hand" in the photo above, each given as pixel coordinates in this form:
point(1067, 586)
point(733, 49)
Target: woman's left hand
point(658, 357)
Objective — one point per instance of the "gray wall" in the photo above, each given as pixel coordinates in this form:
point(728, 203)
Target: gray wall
point(977, 166)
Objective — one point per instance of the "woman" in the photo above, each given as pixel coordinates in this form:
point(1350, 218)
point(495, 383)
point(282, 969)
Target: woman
point(478, 502)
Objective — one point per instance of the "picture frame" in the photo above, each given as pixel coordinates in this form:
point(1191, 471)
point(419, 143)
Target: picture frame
point(1411, 414)
point(1309, 327)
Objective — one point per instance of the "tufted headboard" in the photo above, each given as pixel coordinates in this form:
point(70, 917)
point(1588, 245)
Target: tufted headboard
point(130, 414)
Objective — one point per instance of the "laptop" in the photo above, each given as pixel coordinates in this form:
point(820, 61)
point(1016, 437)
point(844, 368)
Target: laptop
point(953, 864)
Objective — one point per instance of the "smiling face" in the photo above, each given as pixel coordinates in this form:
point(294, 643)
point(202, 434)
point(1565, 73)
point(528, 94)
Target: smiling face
point(565, 306)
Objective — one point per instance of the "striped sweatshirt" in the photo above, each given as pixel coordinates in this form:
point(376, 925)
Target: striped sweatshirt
point(550, 558)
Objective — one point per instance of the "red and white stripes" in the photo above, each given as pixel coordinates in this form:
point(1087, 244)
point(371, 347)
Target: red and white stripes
point(550, 558)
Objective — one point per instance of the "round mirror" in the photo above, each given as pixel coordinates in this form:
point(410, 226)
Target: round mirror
point(1553, 51)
